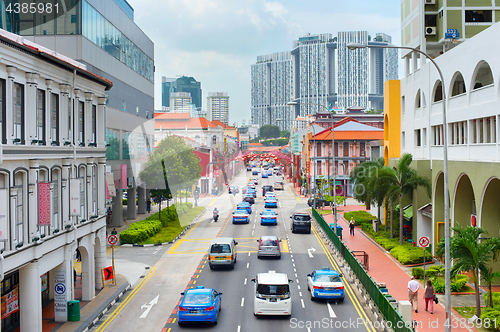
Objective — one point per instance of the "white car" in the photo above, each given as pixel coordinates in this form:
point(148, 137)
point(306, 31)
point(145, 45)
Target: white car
point(270, 194)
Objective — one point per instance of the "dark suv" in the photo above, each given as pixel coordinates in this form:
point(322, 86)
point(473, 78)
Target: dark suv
point(301, 222)
point(319, 202)
point(266, 188)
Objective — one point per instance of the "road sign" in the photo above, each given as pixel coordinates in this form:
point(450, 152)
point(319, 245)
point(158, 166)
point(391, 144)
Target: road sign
point(452, 34)
point(108, 273)
point(424, 241)
point(112, 239)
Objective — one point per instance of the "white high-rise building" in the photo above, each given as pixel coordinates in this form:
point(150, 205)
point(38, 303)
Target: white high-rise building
point(320, 72)
point(218, 106)
point(180, 102)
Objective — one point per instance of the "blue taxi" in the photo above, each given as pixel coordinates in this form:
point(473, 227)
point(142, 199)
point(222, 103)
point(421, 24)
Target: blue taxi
point(199, 304)
point(270, 202)
point(240, 216)
point(268, 217)
point(326, 284)
point(244, 206)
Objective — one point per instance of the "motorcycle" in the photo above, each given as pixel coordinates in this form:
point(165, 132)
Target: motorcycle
point(216, 216)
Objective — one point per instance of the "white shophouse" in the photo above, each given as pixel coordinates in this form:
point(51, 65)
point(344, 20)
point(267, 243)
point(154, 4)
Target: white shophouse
point(52, 131)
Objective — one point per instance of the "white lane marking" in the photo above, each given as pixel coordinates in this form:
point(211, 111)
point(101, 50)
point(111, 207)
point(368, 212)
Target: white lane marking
point(253, 231)
point(254, 226)
point(292, 259)
point(308, 329)
point(295, 270)
point(248, 264)
point(330, 310)
point(239, 328)
point(249, 254)
point(242, 301)
point(296, 276)
point(300, 294)
point(297, 280)
point(291, 256)
point(245, 281)
point(302, 301)
point(298, 286)
point(157, 250)
point(293, 264)
point(148, 306)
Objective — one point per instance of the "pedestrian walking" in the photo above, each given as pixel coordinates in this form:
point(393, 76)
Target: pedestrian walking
point(351, 226)
point(429, 295)
point(148, 205)
point(413, 287)
point(114, 232)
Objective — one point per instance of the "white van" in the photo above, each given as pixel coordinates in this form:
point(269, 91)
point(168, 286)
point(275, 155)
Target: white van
point(222, 252)
point(272, 294)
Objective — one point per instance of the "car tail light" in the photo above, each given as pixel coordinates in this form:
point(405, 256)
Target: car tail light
point(339, 287)
point(182, 309)
point(209, 308)
point(317, 287)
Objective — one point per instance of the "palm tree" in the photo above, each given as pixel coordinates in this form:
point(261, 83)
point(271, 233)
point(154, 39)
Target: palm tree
point(490, 277)
point(363, 176)
point(472, 253)
point(402, 180)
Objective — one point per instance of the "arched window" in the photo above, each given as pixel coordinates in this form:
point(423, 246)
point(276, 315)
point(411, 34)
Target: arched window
point(438, 92)
point(483, 76)
point(214, 140)
point(82, 175)
point(458, 85)
point(418, 102)
point(4, 203)
point(18, 194)
point(56, 199)
point(197, 139)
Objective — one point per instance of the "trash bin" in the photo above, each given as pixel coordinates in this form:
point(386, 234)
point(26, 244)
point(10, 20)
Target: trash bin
point(74, 311)
point(338, 231)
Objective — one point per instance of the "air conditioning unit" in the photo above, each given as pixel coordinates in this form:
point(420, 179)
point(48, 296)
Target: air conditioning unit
point(430, 2)
point(430, 31)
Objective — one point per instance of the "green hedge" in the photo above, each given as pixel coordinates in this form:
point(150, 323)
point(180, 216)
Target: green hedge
point(456, 285)
point(408, 254)
point(496, 299)
point(490, 318)
point(417, 272)
point(360, 217)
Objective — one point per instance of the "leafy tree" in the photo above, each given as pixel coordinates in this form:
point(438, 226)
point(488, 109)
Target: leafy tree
point(470, 252)
point(285, 134)
point(372, 111)
point(402, 180)
point(171, 167)
point(269, 131)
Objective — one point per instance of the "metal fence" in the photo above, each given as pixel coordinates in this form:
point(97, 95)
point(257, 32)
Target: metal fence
point(392, 317)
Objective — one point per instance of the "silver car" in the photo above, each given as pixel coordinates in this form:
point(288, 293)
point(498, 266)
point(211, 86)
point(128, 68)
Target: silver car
point(269, 246)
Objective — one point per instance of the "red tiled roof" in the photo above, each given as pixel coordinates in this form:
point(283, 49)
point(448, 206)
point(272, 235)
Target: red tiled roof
point(221, 124)
point(326, 135)
point(183, 123)
point(168, 115)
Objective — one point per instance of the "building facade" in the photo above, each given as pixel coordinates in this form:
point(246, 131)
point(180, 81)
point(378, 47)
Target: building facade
point(218, 106)
point(414, 118)
point(181, 84)
point(103, 36)
point(53, 139)
point(180, 102)
point(320, 73)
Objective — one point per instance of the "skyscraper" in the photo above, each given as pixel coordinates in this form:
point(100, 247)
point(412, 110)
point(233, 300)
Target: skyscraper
point(181, 84)
point(320, 71)
point(218, 106)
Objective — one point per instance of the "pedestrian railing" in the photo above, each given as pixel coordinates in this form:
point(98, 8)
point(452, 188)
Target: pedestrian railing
point(392, 318)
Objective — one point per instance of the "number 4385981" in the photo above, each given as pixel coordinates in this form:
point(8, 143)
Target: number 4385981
point(32, 8)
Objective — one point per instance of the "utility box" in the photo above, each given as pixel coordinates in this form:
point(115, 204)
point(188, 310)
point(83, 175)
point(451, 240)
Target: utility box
point(375, 226)
point(404, 308)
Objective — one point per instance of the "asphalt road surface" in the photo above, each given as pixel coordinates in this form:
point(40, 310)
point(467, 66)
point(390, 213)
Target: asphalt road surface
point(152, 305)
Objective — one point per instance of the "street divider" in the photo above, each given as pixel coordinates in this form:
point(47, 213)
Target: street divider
point(392, 317)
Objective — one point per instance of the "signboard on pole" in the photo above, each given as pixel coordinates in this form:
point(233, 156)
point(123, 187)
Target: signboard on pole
point(74, 193)
point(60, 296)
point(124, 176)
point(110, 182)
point(43, 203)
point(424, 241)
point(112, 239)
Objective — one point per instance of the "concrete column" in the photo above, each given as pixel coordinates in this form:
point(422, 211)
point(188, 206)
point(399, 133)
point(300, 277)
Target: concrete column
point(30, 298)
point(131, 206)
point(30, 93)
point(88, 184)
point(65, 176)
point(101, 122)
point(33, 200)
point(101, 189)
point(117, 219)
point(141, 191)
point(88, 273)
point(65, 271)
point(100, 256)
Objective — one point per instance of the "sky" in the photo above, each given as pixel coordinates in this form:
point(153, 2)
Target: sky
point(216, 41)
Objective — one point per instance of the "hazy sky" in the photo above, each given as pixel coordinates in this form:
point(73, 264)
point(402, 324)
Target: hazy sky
point(216, 41)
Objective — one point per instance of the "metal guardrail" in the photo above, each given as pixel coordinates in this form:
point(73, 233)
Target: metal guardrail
point(392, 317)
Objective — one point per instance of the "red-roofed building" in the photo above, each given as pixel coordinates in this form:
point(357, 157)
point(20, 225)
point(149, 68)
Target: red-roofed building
point(351, 147)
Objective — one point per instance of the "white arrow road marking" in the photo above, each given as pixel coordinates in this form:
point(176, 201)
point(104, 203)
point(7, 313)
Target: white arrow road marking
point(330, 310)
point(148, 306)
point(309, 251)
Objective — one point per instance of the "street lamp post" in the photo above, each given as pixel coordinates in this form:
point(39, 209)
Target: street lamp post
point(333, 159)
point(353, 46)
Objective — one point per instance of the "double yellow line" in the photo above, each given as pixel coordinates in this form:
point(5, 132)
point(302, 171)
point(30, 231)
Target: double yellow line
point(127, 300)
point(347, 285)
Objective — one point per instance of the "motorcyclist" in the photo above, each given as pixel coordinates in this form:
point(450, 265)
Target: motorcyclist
point(216, 214)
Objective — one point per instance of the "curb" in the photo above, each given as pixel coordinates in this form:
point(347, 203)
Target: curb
point(166, 243)
point(99, 314)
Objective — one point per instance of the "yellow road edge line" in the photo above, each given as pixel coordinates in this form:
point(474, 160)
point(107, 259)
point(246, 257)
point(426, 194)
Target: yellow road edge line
point(351, 295)
point(127, 299)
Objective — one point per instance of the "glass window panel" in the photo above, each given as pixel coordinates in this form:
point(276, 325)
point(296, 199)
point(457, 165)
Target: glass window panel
point(54, 117)
point(112, 144)
point(125, 145)
point(18, 113)
point(81, 122)
point(40, 116)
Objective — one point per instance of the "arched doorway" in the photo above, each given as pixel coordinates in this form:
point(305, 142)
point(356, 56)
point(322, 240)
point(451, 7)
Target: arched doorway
point(464, 203)
point(489, 210)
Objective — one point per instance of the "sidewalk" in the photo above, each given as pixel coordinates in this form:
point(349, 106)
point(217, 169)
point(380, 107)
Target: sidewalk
point(384, 268)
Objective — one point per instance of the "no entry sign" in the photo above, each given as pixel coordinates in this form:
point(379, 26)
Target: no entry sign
point(112, 239)
point(424, 241)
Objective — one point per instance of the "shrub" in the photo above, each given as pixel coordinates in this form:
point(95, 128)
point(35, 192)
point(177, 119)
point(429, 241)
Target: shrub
point(459, 283)
point(140, 231)
point(360, 217)
point(417, 272)
point(496, 299)
point(124, 201)
point(438, 285)
point(490, 318)
point(408, 254)
point(434, 271)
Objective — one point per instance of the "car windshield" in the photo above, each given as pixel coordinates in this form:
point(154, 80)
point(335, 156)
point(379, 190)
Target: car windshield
point(220, 249)
point(273, 289)
point(268, 213)
point(240, 212)
point(269, 243)
point(302, 218)
point(196, 298)
point(327, 278)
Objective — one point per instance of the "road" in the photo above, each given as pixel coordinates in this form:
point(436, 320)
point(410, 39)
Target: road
point(184, 264)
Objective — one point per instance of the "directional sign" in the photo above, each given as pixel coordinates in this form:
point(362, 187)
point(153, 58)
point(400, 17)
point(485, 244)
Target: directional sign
point(452, 34)
point(424, 241)
point(148, 306)
point(112, 239)
point(309, 252)
point(108, 273)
